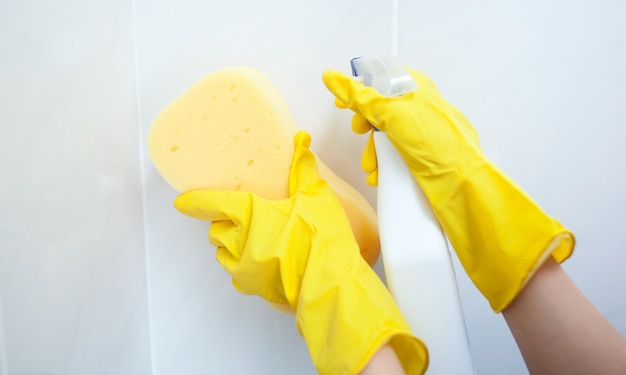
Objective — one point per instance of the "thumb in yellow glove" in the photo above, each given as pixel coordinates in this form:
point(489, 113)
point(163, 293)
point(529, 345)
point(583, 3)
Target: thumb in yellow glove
point(301, 251)
point(499, 234)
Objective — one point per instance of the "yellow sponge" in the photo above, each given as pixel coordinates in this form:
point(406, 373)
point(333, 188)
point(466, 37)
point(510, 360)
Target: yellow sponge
point(232, 130)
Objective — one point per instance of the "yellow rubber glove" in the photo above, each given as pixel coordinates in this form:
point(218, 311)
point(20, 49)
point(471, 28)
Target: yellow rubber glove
point(301, 251)
point(499, 234)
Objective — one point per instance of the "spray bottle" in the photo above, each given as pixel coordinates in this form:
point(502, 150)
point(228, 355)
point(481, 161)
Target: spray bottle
point(417, 262)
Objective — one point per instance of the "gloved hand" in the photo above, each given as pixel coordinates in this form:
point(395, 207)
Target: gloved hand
point(499, 234)
point(301, 251)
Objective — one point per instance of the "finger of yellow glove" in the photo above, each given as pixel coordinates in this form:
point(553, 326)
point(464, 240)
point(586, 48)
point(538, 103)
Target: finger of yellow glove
point(246, 254)
point(339, 104)
point(303, 171)
point(226, 259)
point(214, 205)
point(228, 235)
point(360, 125)
point(230, 264)
point(354, 95)
point(372, 178)
point(369, 162)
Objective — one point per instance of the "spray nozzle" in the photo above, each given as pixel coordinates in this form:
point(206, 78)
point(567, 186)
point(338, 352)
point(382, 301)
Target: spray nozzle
point(385, 74)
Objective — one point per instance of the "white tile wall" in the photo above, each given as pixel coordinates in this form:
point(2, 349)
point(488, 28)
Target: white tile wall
point(544, 84)
point(100, 275)
point(72, 266)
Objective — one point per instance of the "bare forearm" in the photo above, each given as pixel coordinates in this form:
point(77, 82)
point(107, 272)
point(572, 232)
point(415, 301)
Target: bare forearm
point(559, 331)
point(384, 362)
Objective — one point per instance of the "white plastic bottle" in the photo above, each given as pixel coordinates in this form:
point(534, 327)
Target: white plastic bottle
point(415, 251)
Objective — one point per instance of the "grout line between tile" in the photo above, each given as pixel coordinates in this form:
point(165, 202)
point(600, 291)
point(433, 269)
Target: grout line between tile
point(4, 367)
point(395, 16)
point(142, 173)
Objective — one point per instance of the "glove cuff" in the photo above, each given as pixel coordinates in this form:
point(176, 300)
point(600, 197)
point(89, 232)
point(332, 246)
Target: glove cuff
point(499, 233)
point(345, 322)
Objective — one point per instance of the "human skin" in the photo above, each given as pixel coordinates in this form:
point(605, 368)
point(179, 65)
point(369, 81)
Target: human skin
point(557, 329)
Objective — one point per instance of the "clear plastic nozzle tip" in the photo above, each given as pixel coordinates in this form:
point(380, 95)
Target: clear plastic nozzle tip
point(385, 74)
